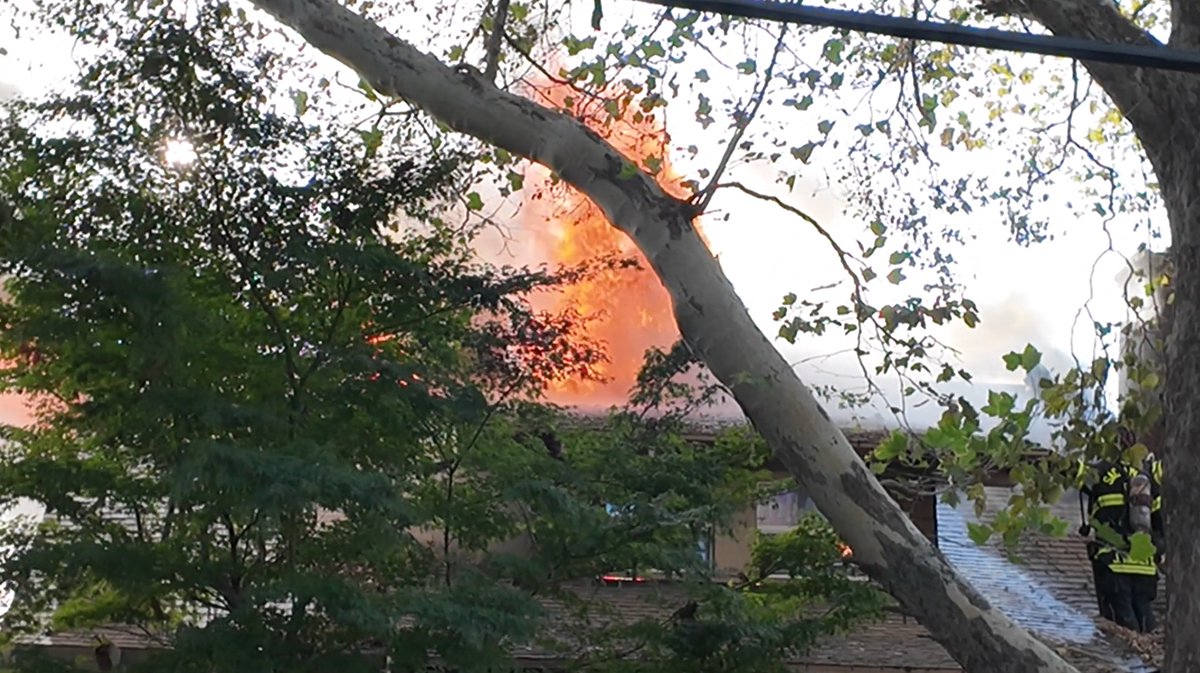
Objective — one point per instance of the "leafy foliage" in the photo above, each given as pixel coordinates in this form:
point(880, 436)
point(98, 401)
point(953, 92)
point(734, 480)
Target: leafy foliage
point(902, 126)
point(290, 423)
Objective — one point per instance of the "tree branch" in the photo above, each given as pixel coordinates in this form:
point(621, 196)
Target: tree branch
point(495, 40)
point(1142, 95)
point(711, 317)
point(705, 196)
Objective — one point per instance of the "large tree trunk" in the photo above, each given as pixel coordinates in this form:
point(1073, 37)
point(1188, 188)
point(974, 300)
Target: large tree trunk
point(712, 319)
point(1181, 457)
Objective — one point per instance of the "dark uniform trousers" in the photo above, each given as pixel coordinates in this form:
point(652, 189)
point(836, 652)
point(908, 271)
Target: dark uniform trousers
point(1131, 587)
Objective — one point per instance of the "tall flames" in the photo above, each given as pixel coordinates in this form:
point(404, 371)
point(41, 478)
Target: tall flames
point(629, 310)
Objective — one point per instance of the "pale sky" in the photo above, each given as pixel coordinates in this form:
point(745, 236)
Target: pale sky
point(1025, 295)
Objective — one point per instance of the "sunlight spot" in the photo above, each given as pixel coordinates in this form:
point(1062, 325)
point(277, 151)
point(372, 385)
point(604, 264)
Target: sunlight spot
point(179, 153)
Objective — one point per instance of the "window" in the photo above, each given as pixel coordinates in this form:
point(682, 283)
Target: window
point(781, 512)
point(704, 548)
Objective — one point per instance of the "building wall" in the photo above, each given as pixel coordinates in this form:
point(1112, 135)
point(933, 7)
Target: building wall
point(1144, 336)
point(731, 549)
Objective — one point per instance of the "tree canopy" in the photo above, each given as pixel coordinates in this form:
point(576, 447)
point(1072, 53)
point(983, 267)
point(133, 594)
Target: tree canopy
point(909, 95)
point(288, 421)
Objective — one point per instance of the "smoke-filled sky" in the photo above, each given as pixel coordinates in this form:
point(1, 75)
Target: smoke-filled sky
point(1025, 295)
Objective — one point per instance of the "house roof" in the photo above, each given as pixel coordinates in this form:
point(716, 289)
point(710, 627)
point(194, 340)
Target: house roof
point(1044, 584)
point(702, 427)
point(1045, 595)
point(897, 641)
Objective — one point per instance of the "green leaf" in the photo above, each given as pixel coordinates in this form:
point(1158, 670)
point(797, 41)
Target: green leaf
point(893, 447)
point(833, 50)
point(372, 140)
point(575, 45)
point(1141, 547)
point(474, 201)
point(978, 532)
point(747, 67)
point(1012, 361)
point(1000, 405)
point(597, 14)
point(825, 127)
point(653, 48)
point(1030, 358)
point(1107, 534)
point(1137, 453)
point(947, 138)
point(368, 90)
point(895, 277)
point(878, 228)
point(516, 180)
point(300, 101)
point(804, 152)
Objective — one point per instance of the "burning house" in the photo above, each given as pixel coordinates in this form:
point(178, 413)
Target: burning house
point(1048, 591)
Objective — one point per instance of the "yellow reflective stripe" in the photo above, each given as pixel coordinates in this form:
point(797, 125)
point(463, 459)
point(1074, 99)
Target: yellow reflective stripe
point(1157, 504)
point(1110, 500)
point(1133, 569)
point(1157, 471)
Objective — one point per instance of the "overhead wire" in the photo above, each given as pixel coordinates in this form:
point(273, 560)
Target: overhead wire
point(1160, 57)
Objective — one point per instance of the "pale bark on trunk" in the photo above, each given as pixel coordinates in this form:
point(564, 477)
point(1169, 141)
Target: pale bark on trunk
point(712, 319)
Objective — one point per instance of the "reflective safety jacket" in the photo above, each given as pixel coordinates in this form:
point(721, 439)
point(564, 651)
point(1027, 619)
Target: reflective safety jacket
point(1121, 563)
point(1106, 496)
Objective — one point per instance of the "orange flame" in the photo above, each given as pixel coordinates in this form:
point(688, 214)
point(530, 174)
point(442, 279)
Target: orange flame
point(629, 309)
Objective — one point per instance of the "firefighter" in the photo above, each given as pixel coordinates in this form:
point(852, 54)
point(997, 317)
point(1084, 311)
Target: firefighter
point(1105, 507)
point(1126, 500)
point(1132, 588)
point(1136, 580)
point(1104, 489)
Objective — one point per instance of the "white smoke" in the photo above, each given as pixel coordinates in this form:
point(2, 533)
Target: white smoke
point(1034, 379)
